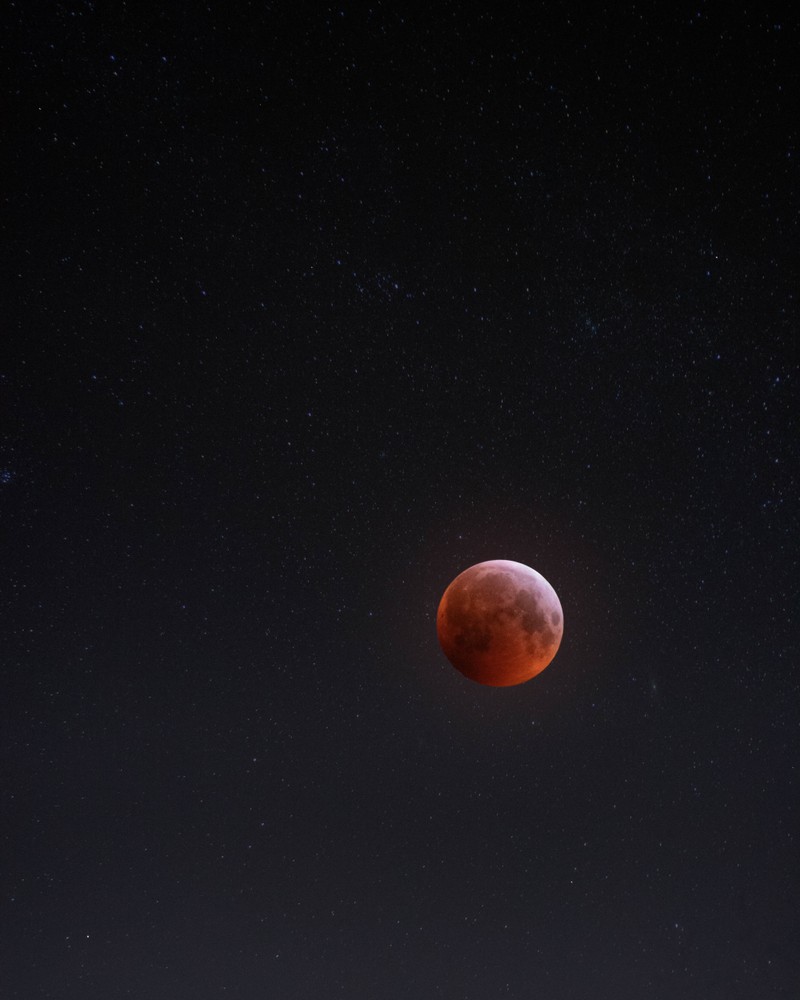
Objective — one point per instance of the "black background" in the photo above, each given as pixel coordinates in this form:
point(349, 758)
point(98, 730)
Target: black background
point(309, 309)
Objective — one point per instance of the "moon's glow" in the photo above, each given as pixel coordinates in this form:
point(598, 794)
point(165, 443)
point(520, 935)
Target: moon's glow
point(500, 623)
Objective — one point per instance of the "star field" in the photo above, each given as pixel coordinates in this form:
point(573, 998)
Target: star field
point(307, 310)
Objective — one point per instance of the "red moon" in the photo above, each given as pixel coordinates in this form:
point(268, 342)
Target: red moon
point(500, 623)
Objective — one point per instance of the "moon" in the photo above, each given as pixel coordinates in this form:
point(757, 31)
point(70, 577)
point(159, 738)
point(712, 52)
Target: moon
point(500, 623)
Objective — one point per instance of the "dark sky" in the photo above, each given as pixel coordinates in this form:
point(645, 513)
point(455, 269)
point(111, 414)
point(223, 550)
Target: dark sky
point(308, 309)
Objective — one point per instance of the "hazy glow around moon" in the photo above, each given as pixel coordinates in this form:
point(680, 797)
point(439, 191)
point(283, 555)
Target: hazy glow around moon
point(500, 623)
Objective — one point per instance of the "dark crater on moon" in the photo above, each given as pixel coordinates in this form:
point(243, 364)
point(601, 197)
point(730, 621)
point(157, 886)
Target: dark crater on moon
point(532, 619)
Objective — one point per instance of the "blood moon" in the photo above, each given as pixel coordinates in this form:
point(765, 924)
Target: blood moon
point(500, 623)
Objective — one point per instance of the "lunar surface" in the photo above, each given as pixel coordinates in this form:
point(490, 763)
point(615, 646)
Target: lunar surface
point(500, 623)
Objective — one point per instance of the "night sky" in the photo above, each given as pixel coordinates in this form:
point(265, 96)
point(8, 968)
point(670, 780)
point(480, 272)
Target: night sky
point(307, 309)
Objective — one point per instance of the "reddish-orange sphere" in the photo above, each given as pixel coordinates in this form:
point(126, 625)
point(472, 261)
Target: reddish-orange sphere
point(500, 623)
